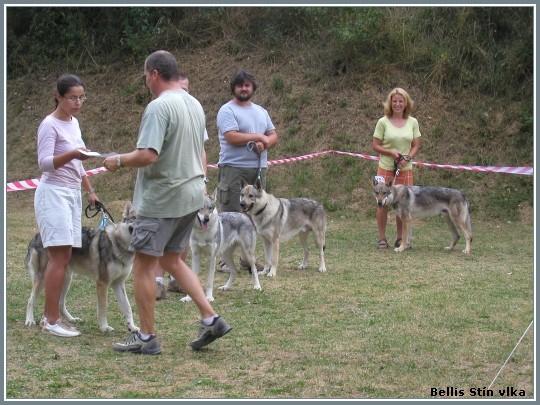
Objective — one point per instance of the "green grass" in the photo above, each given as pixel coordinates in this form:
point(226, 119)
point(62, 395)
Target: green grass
point(377, 325)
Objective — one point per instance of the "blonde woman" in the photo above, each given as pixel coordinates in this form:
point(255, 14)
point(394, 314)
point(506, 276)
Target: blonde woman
point(397, 140)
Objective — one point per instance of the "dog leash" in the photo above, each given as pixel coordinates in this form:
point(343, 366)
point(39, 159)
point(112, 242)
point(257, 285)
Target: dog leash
point(401, 157)
point(252, 147)
point(99, 207)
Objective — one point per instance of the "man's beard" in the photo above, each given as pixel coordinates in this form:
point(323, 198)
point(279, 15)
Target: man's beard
point(243, 99)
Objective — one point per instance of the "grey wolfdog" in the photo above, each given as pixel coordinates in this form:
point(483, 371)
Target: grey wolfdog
point(215, 234)
point(280, 219)
point(410, 202)
point(104, 257)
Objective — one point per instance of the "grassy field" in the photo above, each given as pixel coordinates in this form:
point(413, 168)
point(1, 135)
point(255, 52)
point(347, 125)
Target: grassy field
point(377, 325)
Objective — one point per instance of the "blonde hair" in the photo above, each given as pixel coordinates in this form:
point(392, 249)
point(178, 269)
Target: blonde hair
point(409, 103)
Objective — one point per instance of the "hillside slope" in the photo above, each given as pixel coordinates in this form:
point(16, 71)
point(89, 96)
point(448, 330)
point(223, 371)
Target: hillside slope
point(313, 110)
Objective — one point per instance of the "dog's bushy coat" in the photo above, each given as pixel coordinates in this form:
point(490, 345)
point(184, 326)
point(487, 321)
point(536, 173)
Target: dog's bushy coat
point(279, 219)
point(410, 202)
point(103, 256)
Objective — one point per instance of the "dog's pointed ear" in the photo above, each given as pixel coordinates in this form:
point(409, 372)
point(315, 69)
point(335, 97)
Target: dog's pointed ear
point(390, 183)
point(258, 184)
point(127, 208)
point(243, 183)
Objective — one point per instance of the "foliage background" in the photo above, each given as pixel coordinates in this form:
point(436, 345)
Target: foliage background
point(324, 73)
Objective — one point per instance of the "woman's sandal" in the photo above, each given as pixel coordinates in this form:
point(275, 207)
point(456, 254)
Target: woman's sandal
point(382, 244)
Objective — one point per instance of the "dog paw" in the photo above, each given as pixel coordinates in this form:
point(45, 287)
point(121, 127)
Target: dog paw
point(448, 248)
point(466, 251)
point(399, 250)
point(322, 269)
point(224, 288)
point(257, 288)
point(302, 266)
point(263, 273)
point(30, 322)
point(106, 328)
point(210, 299)
point(132, 328)
point(187, 298)
point(271, 274)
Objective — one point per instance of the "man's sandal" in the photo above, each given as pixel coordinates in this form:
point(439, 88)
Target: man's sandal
point(382, 244)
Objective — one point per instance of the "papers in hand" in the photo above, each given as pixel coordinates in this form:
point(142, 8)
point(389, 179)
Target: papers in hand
point(96, 154)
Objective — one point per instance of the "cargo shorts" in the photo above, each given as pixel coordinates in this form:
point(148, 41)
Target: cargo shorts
point(154, 236)
point(229, 185)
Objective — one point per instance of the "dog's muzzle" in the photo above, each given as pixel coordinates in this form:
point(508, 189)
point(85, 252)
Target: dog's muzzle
point(204, 221)
point(245, 207)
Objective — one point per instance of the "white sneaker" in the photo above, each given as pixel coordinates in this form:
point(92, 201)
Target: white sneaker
point(58, 329)
point(60, 321)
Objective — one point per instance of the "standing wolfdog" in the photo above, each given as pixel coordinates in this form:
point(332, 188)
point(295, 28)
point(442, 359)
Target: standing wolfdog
point(104, 257)
point(280, 219)
point(216, 234)
point(410, 202)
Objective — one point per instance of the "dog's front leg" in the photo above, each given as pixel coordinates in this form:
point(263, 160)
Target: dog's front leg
point(267, 256)
point(119, 289)
point(211, 272)
point(196, 252)
point(406, 223)
point(63, 294)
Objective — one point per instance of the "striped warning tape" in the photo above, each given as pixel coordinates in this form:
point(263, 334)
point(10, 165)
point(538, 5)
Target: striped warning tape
point(525, 171)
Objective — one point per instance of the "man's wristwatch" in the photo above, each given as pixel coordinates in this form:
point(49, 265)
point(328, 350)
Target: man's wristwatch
point(118, 162)
point(205, 179)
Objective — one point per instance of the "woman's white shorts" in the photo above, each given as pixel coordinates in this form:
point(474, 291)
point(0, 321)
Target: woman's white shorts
point(58, 215)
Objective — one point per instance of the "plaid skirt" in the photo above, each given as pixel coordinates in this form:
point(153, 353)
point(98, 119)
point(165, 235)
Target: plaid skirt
point(404, 177)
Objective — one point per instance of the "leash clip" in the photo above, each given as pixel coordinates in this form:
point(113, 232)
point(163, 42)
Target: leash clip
point(103, 222)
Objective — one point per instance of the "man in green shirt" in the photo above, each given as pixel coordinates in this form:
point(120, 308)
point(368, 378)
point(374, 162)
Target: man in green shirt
point(168, 193)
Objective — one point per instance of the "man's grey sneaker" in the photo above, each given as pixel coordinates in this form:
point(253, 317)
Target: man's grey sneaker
point(161, 291)
point(134, 344)
point(209, 333)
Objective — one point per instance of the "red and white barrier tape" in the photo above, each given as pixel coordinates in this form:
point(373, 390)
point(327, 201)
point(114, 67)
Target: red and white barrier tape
point(30, 184)
point(525, 171)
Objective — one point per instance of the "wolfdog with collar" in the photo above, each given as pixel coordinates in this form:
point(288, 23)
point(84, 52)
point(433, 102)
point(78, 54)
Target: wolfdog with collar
point(280, 219)
point(410, 202)
point(104, 257)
